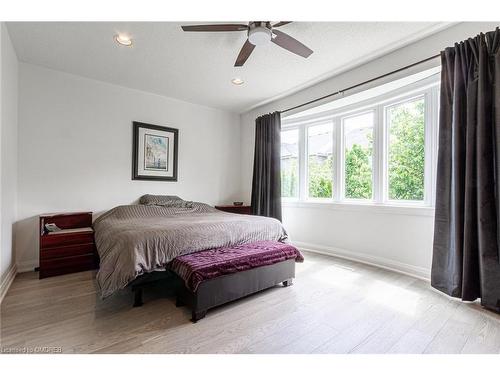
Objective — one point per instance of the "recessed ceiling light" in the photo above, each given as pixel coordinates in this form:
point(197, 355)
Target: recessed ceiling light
point(123, 40)
point(237, 81)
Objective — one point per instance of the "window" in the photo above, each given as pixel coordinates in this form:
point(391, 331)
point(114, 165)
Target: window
point(380, 149)
point(358, 156)
point(320, 160)
point(290, 163)
point(406, 154)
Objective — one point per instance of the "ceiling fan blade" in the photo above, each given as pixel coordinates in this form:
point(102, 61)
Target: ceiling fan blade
point(291, 44)
point(216, 27)
point(245, 52)
point(282, 23)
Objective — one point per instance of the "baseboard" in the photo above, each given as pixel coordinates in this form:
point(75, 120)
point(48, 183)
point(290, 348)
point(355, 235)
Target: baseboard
point(27, 266)
point(7, 281)
point(388, 264)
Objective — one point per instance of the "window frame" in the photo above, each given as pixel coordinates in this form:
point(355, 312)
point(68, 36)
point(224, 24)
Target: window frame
point(306, 159)
point(342, 153)
point(427, 88)
point(427, 152)
point(293, 199)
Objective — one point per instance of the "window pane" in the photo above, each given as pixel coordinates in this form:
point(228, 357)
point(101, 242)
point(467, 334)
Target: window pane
point(320, 160)
point(358, 153)
point(406, 150)
point(290, 163)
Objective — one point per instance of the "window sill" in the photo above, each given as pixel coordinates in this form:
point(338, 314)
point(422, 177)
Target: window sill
point(389, 209)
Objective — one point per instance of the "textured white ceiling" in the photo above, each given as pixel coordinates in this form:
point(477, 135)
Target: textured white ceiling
point(198, 67)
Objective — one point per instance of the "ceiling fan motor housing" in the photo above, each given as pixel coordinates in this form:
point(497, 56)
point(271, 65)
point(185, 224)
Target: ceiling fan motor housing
point(259, 33)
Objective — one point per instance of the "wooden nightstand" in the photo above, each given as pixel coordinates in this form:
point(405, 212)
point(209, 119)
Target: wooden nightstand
point(72, 249)
point(246, 210)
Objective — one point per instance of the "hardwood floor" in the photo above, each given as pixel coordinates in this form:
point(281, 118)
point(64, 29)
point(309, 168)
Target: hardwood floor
point(334, 306)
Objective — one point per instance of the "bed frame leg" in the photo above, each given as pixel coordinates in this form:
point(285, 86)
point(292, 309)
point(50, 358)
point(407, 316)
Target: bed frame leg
point(287, 282)
point(197, 315)
point(179, 302)
point(138, 297)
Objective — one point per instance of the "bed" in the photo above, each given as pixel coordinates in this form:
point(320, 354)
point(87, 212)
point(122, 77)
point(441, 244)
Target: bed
point(136, 240)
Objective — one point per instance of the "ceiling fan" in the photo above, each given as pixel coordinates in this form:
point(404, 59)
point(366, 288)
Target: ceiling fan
point(259, 33)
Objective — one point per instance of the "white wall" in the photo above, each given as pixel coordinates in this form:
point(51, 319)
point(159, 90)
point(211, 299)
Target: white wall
point(8, 151)
point(388, 238)
point(75, 149)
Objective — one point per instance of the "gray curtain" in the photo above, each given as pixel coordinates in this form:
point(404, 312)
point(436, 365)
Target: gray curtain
point(266, 183)
point(465, 260)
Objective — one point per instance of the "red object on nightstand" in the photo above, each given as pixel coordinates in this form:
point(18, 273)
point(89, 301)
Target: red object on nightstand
point(71, 249)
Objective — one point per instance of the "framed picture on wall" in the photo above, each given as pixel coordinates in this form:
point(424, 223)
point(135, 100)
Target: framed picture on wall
point(154, 154)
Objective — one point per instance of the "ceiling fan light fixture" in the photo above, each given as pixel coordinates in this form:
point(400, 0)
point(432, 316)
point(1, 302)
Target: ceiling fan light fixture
point(259, 35)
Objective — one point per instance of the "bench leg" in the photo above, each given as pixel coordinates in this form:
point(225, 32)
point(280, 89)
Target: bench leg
point(197, 315)
point(138, 297)
point(288, 282)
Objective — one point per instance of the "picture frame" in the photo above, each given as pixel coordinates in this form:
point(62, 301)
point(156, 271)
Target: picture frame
point(154, 152)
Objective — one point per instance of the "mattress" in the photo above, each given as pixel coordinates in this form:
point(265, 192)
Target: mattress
point(138, 239)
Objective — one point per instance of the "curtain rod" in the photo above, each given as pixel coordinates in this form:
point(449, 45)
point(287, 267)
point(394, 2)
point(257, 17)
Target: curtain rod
point(361, 84)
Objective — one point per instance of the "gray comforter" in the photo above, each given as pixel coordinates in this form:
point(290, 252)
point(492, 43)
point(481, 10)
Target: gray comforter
point(133, 240)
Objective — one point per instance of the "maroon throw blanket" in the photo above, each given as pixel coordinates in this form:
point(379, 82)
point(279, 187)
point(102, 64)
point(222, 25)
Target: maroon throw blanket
point(208, 264)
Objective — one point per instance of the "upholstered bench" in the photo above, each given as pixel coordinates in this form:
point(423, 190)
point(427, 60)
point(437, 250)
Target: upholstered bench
point(217, 276)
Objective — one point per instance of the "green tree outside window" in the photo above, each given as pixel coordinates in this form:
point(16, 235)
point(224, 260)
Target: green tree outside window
point(406, 151)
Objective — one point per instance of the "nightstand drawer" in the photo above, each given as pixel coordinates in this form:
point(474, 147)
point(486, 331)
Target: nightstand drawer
point(57, 240)
point(66, 251)
point(60, 266)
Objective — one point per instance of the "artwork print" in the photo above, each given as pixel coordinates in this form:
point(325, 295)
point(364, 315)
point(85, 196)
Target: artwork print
point(154, 153)
point(156, 149)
